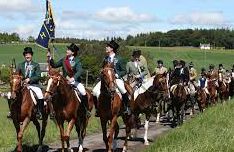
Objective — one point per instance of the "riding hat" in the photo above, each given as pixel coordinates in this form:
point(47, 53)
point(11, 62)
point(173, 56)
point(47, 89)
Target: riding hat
point(113, 45)
point(211, 66)
point(220, 65)
point(182, 62)
point(73, 47)
point(160, 62)
point(191, 64)
point(27, 50)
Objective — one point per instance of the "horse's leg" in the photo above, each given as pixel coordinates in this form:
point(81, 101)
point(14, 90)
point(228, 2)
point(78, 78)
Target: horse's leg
point(104, 132)
point(37, 124)
point(61, 129)
point(111, 133)
point(17, 128)
point(128, 124)
point(116, 133)
point(68, 132)
point(21, 132)
point(146, 142)
point(43, 128)
point(78, 130)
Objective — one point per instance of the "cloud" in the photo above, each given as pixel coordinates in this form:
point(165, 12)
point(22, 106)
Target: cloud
point(14, 9)
point(122, 15)
point(200, 18)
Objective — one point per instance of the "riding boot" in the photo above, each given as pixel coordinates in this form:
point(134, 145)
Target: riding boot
point(84, 100)
point(126, 103)
point(40, 108)
point(96, 107)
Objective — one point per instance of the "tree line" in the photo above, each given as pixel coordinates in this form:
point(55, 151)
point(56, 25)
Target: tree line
point(188, 37)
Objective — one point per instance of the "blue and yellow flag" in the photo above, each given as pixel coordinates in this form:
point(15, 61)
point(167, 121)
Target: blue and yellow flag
point(47, 31)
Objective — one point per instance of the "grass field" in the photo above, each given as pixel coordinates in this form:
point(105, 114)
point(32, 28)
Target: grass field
point(199, 58)
point(211, 131)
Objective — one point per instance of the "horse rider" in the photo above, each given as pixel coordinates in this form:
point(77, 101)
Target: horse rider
point(213, 74)
point(143, 62)
point(202, 81)
point(192, 76)
point(72, 70)
point(136, 70)
point(160, 69)
point(120, 69)
point(180, 74)
point(232, 72)
point(31, 73)
point(221, 69)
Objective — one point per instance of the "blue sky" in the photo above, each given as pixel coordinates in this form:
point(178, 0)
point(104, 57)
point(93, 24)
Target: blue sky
point(97, 19)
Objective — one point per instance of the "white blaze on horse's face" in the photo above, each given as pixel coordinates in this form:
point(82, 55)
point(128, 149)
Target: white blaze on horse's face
point(49, 84)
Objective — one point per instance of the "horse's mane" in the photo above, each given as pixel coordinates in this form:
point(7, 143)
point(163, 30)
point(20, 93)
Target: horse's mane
point(56, 73)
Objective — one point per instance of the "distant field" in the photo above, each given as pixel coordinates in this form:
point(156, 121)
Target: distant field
point(200, 58)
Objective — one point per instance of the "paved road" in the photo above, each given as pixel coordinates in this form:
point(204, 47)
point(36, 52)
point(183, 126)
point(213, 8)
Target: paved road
point(94, 143)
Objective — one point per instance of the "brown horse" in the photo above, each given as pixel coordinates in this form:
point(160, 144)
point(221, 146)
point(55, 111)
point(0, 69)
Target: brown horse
point(201, 97)
point(213, 94)
point(223, 88)
point(68, 107)
point(110, 107)
point(23, 110)
point(179, 99)
point(147, 99)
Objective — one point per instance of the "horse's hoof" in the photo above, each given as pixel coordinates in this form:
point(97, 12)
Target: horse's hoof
point(124, 149)
point(71, 150)
point(40, 148)
point(146, 143)
point(81, 148)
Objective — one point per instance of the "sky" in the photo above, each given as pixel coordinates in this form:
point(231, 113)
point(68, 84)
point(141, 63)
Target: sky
point(98, 19)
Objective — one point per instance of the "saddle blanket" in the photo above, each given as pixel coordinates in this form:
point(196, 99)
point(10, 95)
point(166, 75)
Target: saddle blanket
point(144, 87)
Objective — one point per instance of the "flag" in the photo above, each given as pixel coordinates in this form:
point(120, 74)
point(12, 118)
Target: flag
point(47, 31)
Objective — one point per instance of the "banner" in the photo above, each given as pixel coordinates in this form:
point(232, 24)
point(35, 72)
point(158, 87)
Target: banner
point(47, 31)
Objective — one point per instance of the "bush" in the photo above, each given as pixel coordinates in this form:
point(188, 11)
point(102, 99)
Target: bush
point(5, 74)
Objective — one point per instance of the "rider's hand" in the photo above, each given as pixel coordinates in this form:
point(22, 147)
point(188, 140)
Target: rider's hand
point(26, 81)
point(70, 80)
point(116, 75)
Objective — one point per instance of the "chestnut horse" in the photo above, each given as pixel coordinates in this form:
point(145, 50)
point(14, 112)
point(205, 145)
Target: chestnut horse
point(110, 107)
point(147, 99)
point(213, 93)
point(68, 107)
point(201, 97)
point(23, 110)
point(179, 99)
point(223, 88)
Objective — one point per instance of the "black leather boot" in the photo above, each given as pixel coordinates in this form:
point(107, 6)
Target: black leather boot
point(84, 100)
point(125, 100)
point(40, 108)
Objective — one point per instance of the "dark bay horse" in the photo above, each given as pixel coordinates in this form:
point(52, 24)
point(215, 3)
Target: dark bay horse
point(110, 107)
point(201, 97)
point(68, 107)
point(179, 99)
point(23, 110)
point(147, 99)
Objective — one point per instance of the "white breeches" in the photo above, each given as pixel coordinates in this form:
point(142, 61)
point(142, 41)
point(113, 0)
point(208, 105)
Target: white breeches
point(119, 83)
point(37, 90)
point(80, 87)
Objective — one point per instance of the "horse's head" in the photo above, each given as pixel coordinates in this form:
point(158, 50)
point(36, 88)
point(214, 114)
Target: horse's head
point(54, 80)
point(160, 83)
point(15, 83)
point(108, 77)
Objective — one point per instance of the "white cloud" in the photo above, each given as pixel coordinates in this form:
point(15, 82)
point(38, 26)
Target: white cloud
point(200, 18)
point(17, 9)
point(25, 30)
point(122, 15)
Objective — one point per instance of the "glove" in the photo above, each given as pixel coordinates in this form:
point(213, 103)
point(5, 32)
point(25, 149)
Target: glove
point(116, 76)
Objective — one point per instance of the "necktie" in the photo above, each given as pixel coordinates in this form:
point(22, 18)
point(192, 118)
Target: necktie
point(109, 59)
point(27, 70)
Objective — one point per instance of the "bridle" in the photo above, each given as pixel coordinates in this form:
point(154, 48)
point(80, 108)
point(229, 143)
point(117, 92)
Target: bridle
point(111, 84)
